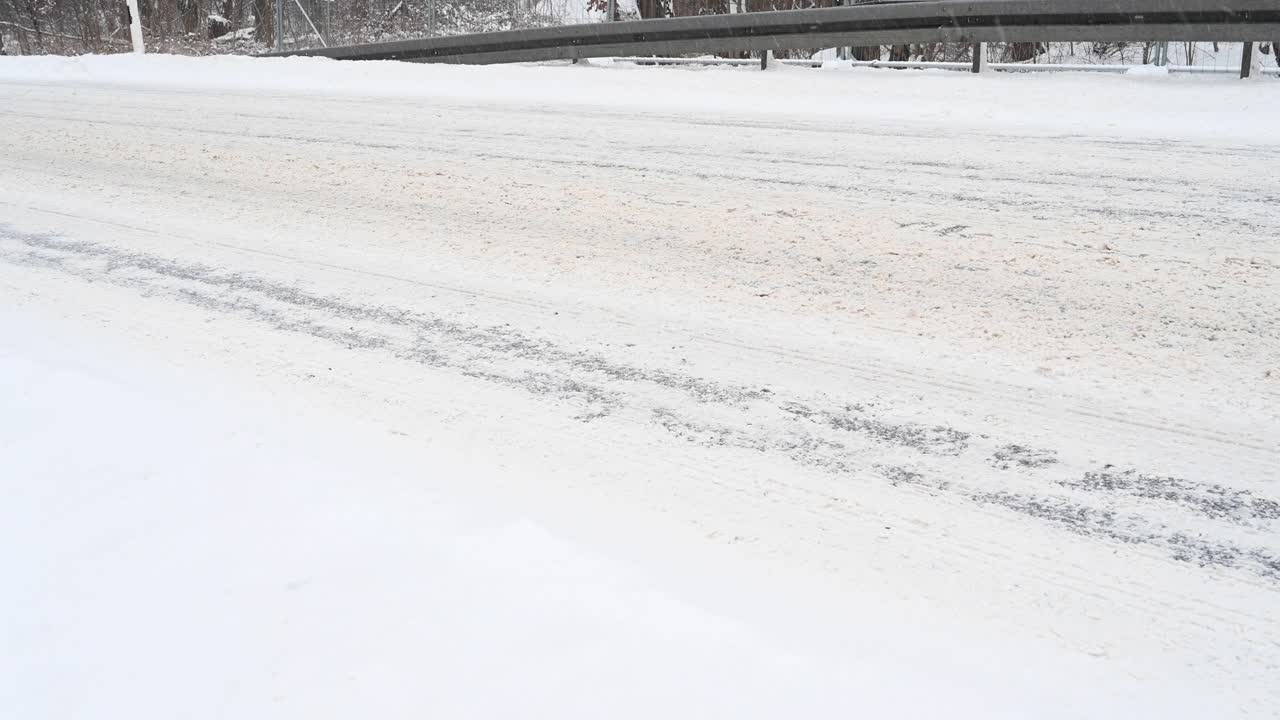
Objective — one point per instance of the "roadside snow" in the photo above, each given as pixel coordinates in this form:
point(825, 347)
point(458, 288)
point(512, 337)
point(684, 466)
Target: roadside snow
point(1179, 106)
point(558, 391)
point(171, 553)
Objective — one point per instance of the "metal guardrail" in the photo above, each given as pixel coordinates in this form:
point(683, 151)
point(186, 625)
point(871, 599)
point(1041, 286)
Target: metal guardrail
point(885, 23)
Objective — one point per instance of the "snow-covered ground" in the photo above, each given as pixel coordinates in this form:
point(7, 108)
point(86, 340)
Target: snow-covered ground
point(172, 551)
point(335, 389)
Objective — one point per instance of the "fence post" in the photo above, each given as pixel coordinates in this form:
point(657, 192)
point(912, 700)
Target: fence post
point(979, 57)
point(1246, 61)
point(613, 10)
point(765, 56)
point(279, 25)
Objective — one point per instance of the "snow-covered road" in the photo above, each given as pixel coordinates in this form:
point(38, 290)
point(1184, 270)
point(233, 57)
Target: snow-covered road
point(992, 371)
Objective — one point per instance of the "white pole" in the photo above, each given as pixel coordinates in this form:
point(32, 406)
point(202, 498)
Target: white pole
point(135, 27)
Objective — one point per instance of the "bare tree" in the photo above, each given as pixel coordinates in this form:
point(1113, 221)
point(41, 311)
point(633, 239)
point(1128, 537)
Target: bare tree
point(264, 21)
point(865, 52)
point(245, 26)
point(1023, 51)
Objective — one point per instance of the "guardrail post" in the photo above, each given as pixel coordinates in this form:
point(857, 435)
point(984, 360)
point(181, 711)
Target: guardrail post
point(1246, 61)
point(979, 57)
point(613, 10)
point(765, 56)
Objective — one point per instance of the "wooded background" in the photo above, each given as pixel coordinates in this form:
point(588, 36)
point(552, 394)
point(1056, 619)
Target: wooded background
point(201, 27)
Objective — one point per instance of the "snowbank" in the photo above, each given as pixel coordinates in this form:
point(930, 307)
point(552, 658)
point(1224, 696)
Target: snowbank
point(1127, 106)
point(168, 553)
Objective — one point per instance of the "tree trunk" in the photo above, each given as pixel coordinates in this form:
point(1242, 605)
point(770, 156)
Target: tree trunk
point(34, 18)
point(866, 52)
point(264, 14)
point(650, 9)
point(193, 16)
point(1023, 51)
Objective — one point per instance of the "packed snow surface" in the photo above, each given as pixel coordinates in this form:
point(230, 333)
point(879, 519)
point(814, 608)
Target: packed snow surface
point(576, 391)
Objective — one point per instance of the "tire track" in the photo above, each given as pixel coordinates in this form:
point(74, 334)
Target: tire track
point(842, 437)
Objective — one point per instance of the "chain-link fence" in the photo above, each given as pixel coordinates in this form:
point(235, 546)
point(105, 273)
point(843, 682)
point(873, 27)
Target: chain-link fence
point(199, 27)
point(313, 23)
